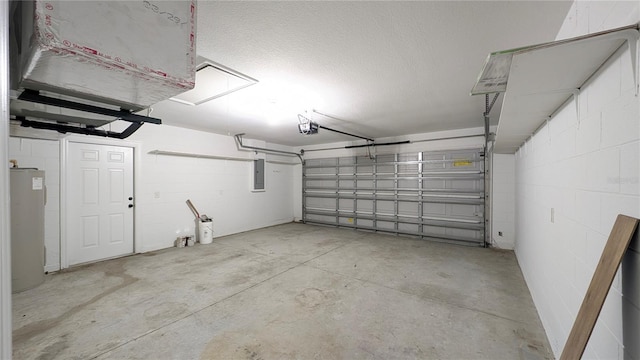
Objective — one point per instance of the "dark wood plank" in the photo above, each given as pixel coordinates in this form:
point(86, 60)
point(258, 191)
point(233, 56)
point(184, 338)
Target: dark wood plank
point(610, 260)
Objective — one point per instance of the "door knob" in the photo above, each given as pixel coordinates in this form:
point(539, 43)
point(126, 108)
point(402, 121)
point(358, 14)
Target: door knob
point(130, 205)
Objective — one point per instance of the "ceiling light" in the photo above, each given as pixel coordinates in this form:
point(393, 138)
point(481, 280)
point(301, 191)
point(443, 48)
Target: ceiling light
point(213, 81)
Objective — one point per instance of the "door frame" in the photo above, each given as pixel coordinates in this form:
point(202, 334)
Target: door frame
point(64, 158)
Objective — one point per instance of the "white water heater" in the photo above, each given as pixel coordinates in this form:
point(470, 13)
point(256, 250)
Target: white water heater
point(27, 228)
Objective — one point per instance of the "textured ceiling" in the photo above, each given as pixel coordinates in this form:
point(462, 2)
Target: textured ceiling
point(378, 69)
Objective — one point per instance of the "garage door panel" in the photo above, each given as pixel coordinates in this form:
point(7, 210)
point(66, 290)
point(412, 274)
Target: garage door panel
point(345, 160)
point(410, 168)
point(434, 230)
point(385, 184)
point(364, 160)
point(409, 228)
point(321, 218)
point(365, 169)
point(462, 233)
point(365, 223)
point(385, 158)
point(471, 184)
point(365, 206)
point(464, 210)
point(434, 195)
point(434, 209)
point(324, 162)
point(408, 208)
point(385, 207)
point(345, 204)
point(434, 184)
point(321, 203)
point(385, 225)
point(408, 184)
point(314, 184)
point(320, 171)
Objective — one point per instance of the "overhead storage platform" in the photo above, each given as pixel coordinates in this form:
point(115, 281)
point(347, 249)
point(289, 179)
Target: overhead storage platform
point(111, 58)
point(130, 54)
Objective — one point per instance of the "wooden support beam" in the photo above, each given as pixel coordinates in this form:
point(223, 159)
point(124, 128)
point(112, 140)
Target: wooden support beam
point(612, 255)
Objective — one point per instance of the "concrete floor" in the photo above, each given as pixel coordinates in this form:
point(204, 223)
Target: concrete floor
point(289, 291)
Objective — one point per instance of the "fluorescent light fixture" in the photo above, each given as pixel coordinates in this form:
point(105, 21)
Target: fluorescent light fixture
point(213, 81)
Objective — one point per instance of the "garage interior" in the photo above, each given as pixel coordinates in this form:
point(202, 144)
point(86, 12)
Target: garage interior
point(425, 179)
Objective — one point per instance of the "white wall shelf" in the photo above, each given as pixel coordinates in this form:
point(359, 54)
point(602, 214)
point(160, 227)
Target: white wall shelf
point(199, 156)
point(214, 157)
point(538, 80)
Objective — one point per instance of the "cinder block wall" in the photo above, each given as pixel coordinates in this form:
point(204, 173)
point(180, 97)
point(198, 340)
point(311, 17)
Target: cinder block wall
point(586, 170)
point(503, 203)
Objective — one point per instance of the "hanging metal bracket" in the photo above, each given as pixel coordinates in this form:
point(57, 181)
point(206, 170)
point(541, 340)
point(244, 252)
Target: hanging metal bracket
point(61, 123)
point(126, 115)
point(63, 128)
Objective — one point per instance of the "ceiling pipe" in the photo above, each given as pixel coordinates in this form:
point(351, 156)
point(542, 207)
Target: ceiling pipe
point(265, 150)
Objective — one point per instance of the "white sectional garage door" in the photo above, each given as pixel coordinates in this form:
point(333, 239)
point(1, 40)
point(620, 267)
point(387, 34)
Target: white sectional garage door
point(433, 195)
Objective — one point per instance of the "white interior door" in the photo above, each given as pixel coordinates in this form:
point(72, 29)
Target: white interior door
point(99, 202)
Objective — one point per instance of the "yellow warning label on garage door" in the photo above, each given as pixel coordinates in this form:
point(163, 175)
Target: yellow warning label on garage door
point(462, 163)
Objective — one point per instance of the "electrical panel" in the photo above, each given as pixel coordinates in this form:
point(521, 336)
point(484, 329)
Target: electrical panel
point(258, 174)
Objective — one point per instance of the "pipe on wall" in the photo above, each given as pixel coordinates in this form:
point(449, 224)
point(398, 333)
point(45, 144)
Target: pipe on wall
point(265, 150)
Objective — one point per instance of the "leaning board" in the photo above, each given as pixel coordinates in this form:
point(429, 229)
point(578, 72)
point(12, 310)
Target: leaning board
point(610, 260)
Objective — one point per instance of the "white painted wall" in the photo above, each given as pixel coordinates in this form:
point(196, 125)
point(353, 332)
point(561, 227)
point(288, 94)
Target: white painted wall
point(44, 155)
point(587, 170)
point(219, 188)
point(296, 179)
point(5, 231)
point(503, 203)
